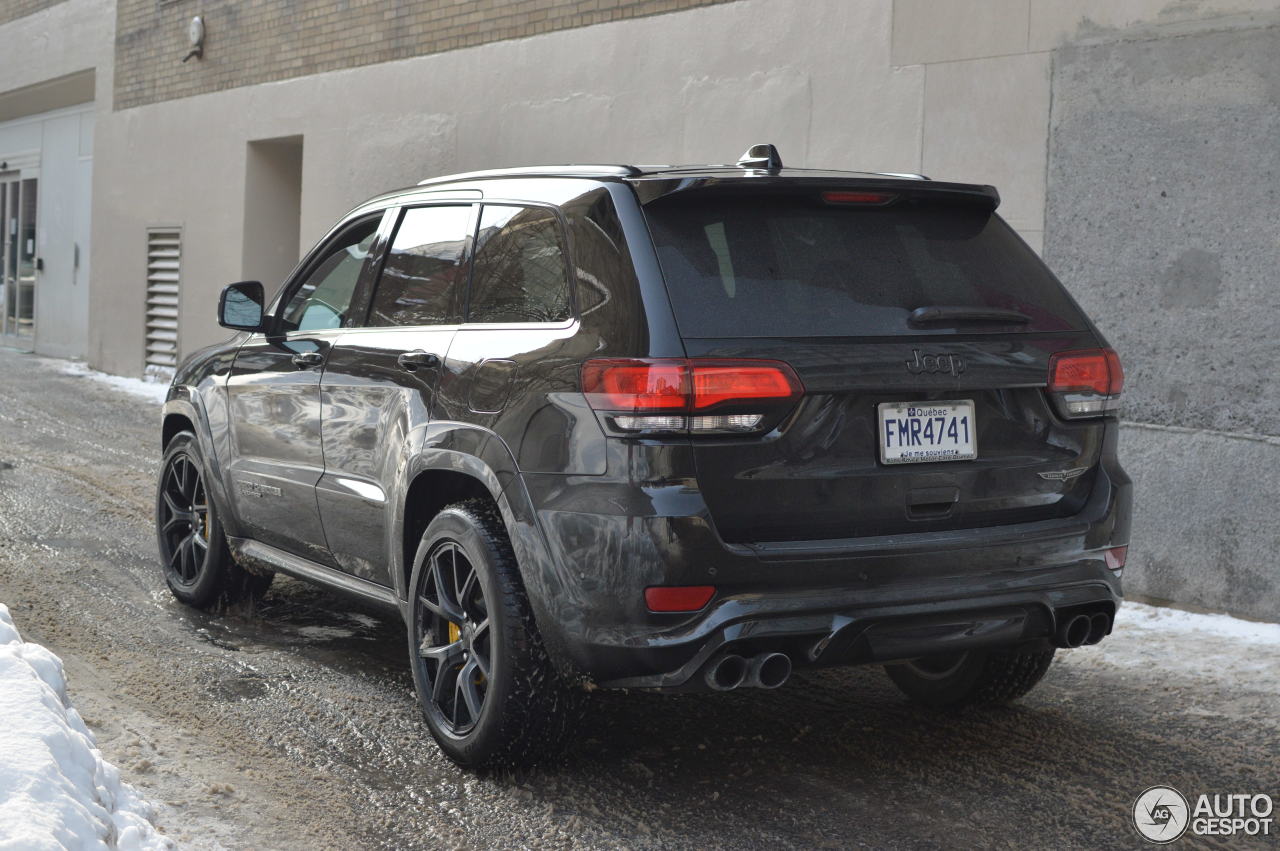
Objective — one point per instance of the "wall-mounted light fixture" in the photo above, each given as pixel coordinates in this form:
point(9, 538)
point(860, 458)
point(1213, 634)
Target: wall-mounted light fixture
point(195, 35)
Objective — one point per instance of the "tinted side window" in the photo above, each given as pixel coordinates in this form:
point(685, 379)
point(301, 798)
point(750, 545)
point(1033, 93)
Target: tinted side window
point(325, 296)
point(520, 274)
point(424, 272)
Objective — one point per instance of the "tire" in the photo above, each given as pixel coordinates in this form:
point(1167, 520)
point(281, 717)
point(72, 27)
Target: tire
point(487, 688)
point(197, 564)
point(973, 679)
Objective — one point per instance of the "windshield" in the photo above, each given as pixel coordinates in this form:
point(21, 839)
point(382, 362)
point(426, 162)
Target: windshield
point(783, 266)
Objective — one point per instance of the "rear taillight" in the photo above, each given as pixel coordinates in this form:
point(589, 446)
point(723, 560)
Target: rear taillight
point(689, 395)
point(1086, 383)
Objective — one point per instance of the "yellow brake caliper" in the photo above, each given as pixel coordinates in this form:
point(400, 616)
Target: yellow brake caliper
point(455, 633)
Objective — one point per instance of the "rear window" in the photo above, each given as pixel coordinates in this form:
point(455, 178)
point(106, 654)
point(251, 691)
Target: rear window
point(777, 266)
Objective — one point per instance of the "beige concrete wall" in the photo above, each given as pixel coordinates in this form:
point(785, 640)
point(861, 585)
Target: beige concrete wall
point(12, 10)
point(54, 61)
point(71, 36)
point(957, 89)
point(272, 208)
point(960, 89)
point(699, 85)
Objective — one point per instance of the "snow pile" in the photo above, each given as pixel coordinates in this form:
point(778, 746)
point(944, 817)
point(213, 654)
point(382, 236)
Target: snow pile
point(155, 391)
point(56, 791)
point(1139, 616)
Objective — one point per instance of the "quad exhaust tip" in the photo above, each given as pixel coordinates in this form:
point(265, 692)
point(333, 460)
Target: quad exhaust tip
point(1073, 631)
point(1099, 627)
point(766, 670)
point(1081, 629)
point(727, 672)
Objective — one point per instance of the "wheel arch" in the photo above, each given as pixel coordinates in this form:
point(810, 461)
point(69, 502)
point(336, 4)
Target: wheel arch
point(184, 412)
point(463, 475)
point(430, 491)
point(173, 425)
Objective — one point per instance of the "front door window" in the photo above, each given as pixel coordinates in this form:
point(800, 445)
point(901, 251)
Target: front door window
point(323, 300)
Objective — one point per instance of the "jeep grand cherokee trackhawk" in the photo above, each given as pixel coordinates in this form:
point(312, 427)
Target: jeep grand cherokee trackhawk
point(662, 428)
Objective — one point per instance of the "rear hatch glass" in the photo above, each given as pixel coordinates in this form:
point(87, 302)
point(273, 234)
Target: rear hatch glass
point(799, 267)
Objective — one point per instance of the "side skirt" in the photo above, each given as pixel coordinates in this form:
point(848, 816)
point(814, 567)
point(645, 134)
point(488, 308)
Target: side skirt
point(251, 553)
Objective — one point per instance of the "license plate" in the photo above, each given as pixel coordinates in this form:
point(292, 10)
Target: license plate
point(916, 432)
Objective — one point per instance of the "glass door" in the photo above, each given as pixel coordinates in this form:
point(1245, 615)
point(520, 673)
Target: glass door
point(19, 270)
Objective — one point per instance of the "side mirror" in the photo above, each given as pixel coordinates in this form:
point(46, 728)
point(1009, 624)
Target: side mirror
point(241, 306)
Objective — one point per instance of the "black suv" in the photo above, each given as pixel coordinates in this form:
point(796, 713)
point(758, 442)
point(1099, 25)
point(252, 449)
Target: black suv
point(662, 428)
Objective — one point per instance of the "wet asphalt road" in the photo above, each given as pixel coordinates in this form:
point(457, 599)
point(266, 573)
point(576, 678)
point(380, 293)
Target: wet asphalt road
point(294, 725)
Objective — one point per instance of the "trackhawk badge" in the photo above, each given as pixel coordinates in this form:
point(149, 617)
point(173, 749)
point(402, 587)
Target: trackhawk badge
point(1063, 475)
point(258, 490)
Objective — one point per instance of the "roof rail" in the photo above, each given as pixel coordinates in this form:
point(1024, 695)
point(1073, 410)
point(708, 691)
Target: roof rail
point(538, 171)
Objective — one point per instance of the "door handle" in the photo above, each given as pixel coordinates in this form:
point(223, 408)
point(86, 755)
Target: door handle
point(302, 360)
point(413, 360)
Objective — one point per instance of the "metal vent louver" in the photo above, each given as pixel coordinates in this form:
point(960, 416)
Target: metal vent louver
point(164, 265)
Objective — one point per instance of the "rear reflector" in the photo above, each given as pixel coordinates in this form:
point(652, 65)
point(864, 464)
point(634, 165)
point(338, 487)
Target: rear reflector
point(857, 197)
point(689, 395)
point(1086, 383)
point(678, 598)
point(1116, 557)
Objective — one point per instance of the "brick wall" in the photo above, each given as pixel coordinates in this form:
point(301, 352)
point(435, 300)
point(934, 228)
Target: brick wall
point(11, 10)
point(256, 41)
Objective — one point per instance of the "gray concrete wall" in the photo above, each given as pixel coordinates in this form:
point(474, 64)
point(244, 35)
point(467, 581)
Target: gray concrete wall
point(1163, 193)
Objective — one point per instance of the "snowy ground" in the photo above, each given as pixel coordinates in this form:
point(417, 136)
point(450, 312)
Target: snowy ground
point(146, 388)
point(293, 725)
point(56, 790)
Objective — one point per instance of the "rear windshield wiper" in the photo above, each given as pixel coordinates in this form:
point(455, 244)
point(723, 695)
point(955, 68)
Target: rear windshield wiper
point(935, 314)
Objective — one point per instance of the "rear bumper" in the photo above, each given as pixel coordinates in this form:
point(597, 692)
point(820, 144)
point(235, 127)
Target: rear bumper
point(824, 629)
point(853, 601)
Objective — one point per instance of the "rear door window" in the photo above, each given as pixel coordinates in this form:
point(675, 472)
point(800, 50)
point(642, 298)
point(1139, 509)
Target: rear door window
point(425, 273)
point(789, 266)
point(520, 273)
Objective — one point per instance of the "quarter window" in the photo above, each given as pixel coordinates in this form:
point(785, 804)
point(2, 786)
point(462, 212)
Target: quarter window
point(520, 273)
point(423, 272)
point(324, 299)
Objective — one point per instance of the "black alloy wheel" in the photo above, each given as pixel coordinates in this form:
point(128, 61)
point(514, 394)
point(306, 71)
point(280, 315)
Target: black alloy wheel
point(194, 555)
point(488, 690)
point(183, 519)
point(452, 634)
